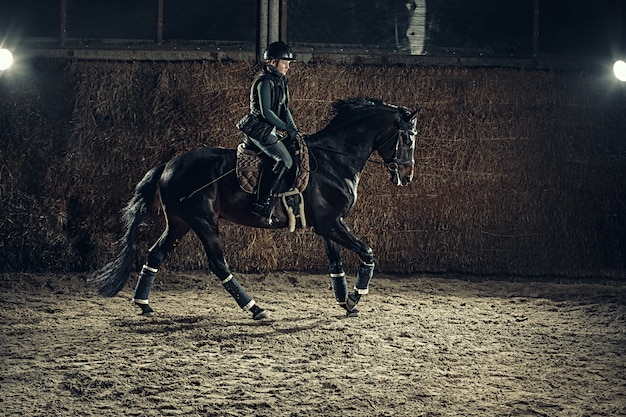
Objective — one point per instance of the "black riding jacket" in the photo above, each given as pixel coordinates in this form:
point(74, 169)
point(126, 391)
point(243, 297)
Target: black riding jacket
point(269, 105)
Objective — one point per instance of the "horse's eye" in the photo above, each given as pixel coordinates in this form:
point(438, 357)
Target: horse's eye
point(407, 141)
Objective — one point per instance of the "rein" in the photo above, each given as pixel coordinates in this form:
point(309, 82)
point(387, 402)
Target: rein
point(391, 166)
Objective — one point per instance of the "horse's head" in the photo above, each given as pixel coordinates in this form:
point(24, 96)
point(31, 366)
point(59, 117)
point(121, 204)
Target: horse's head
point(397, 150)
point(373, 125)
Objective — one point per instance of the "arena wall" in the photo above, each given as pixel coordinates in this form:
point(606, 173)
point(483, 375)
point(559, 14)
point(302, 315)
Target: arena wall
point(518, 172)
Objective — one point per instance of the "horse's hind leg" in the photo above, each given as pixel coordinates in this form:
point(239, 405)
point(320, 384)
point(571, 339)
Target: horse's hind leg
point(217, 264)
point(242, 298)
point(156, 255)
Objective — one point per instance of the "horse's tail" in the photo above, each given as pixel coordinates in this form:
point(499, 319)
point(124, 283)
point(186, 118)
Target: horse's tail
point(112, 277)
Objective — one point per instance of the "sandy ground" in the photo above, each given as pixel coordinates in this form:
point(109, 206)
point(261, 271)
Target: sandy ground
point(423, 346)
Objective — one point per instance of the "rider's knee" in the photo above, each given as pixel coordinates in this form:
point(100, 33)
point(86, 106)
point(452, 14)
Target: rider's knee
point(288, 161)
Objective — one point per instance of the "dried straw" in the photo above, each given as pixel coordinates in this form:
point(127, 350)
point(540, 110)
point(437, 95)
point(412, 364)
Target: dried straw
point(518, 172)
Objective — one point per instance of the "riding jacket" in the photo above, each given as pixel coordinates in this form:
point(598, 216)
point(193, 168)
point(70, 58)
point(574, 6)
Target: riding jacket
point(269, 107)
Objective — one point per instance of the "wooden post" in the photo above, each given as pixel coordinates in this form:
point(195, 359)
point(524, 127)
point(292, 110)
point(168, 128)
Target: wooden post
point(263, 10)
point(160, 23)
point(63, 33)
point(536, 28)
point(618, 26)
point(283, 21)
point(274, 21)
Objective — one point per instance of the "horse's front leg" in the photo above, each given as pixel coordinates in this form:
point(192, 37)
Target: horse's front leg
point(341, 235)
point(361, 285)
point(338, 277)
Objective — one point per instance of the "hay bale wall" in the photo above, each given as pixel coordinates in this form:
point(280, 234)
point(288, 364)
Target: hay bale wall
point(518, 172)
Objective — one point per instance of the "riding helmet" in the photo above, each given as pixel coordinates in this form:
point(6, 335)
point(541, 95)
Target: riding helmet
point(278, 50)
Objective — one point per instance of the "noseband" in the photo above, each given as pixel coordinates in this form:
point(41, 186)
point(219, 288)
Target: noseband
point(394, 164)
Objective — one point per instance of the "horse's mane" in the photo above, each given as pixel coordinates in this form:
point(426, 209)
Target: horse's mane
point(345, 110)
point(351, 106)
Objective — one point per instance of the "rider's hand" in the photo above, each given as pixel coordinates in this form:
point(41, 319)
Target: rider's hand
point(292, 132)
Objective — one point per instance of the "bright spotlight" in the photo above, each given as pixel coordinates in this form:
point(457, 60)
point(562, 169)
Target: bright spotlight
point(6, 59)
point(619, 69)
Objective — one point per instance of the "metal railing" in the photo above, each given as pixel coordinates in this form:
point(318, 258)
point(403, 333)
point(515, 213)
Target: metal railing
point(363, 30)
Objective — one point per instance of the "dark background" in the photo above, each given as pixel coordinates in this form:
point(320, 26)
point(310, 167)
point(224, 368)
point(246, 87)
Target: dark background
point(459, 27)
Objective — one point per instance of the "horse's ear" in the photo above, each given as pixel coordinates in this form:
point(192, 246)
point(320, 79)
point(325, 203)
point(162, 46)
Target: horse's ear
point(414, 114)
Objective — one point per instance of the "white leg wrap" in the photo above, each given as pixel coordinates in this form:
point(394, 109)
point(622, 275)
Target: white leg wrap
point(340, 287)
point(363, 277)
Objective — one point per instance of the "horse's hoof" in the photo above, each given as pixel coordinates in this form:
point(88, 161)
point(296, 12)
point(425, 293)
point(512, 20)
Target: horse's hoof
point(352, 300)
point(260, 315)
point(353, 313)
point(146, 310)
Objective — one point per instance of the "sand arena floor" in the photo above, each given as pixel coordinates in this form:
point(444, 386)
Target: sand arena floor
point(423, 346)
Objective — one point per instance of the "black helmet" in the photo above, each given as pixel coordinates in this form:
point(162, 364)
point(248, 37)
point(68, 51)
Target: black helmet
point(278, 50)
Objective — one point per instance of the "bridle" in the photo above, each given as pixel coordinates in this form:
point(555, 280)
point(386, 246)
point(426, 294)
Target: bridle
point(394, 164)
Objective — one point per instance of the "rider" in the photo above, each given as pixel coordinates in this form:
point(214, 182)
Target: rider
point(269, 112)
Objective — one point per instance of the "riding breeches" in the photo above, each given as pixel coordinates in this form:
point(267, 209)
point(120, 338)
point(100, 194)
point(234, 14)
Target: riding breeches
point(275, 149)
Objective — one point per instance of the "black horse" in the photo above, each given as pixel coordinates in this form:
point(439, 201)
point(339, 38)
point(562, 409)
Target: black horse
point(200, 187)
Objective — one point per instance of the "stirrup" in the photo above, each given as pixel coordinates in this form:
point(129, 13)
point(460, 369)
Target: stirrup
point(262, 210)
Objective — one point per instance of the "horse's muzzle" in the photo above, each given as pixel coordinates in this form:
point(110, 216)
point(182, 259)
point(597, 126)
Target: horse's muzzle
point(401, 174)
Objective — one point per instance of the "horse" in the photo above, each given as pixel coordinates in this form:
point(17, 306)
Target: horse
point(199, 187)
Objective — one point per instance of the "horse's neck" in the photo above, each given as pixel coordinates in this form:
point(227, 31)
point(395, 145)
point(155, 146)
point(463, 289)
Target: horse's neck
point(342, 155)
point(342, 144)
point(352, 141)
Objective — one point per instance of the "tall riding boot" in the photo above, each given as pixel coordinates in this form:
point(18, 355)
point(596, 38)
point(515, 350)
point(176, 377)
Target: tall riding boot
point(265, 205)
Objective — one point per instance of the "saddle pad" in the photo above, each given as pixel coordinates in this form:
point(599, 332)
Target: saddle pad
point(249, 163)
point(248, 168)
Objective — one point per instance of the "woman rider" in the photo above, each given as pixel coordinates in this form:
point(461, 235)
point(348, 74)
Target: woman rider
point(269, 112)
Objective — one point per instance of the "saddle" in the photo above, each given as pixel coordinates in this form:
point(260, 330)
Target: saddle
point(249, 166)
